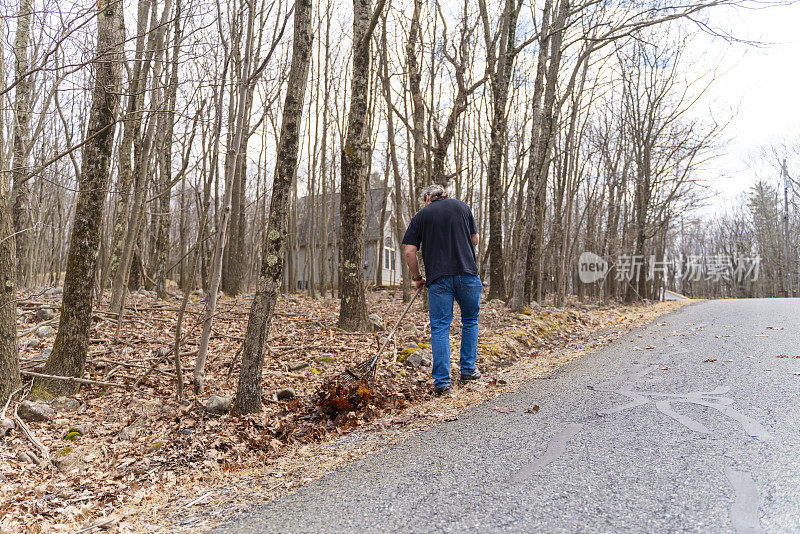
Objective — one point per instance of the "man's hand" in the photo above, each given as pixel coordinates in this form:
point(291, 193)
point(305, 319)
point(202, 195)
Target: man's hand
point(413, 265)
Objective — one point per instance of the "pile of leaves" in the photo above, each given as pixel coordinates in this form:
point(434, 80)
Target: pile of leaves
point(338, 406)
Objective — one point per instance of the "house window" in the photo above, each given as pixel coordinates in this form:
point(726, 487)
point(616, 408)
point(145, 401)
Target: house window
point(389, 254)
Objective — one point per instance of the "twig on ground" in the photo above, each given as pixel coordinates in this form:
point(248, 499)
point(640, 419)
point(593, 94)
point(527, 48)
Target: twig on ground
point(105, 523)
point(8, 401)
point(43, 451)
point(197, 500)
point(86, 381)
point(31, 330)
point(158, 362)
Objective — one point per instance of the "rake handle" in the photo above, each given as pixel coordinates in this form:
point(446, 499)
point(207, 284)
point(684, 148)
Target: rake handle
point(397, 324)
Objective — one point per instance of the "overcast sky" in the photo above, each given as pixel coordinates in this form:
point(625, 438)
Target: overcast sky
point(760, 88)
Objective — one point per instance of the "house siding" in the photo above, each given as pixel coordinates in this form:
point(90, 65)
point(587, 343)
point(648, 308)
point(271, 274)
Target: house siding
point(372, 251)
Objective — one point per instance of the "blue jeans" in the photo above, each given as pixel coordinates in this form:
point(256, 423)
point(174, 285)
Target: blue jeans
point(466, 290)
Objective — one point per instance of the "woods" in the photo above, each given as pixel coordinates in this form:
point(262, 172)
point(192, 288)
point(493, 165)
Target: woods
point(219, 149)
point(202, 208)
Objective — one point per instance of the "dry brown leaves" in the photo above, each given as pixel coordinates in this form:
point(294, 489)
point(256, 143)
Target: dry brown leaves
point(175, 467)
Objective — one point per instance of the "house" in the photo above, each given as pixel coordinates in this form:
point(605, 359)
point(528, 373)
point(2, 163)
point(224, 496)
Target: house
point(309, 256)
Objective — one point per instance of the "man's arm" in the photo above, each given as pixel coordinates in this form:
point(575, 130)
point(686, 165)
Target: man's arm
point(474, 240)
point(413, 265)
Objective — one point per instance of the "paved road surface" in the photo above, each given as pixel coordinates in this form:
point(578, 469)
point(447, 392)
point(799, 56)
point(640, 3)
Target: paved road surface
point(642, 436)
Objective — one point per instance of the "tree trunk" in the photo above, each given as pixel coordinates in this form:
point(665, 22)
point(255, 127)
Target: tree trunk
point(141, 165)
point(520, 266)
point(323, 171)
point(380, 244)
point(355, 155)
point(132, 125)
point(21, 143)
point(248, 391)
point(235, 257)
point(9, 351)
point(399, 226)
point(500, 67)
point(161, 252)
point(68, 357)
point(543, 148)
point(222, 230)
point(417, 105)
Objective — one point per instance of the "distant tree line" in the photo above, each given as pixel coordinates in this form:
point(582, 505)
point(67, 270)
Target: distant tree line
point(168, 148)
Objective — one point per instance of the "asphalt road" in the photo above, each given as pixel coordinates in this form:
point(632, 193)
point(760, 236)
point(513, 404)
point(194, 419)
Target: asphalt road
point(689, 425)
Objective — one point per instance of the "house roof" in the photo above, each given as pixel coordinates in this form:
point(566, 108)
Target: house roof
point(374, 199)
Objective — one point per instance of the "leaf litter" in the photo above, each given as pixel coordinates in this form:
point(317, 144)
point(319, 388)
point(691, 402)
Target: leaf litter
point(145, 462)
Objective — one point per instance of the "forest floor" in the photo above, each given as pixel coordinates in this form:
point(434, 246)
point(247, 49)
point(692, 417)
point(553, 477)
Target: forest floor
point(132, 458)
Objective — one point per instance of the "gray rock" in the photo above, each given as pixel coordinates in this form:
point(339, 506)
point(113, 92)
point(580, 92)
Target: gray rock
point(33, 344)
point(65, 404)
point(375, 321)
point(285, 394)
point(45, 314)
point(23, 456)
point(411, 345)
point(296, 366)
point(45, 354)
point(6, 426)
point(44, 331)
point(53, 292)
point(67, 463)
point(415, 359)
point(34, 411)
point(219, 405)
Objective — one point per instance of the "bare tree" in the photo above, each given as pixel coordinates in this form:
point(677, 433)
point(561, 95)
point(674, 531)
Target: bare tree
point(248, 392)
point(355, 171)
point(222, 230)
point(517, 300)
point(500, 56)
point(68, 357)
point(399, 226)
point(22, 115)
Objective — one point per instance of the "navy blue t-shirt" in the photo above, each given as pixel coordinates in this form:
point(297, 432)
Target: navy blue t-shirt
point(445, 228)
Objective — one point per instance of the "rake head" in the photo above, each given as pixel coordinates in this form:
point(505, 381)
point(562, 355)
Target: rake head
point(366, 370)
point(363, 372)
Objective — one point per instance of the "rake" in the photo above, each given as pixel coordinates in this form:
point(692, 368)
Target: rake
point(365, 371)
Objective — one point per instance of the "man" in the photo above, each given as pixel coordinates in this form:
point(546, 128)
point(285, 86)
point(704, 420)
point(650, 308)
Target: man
point(446, 229)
